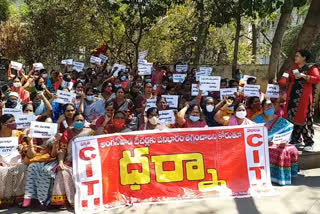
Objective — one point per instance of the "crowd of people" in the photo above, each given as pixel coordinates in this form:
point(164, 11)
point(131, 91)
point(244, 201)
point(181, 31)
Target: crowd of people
point(106, 103)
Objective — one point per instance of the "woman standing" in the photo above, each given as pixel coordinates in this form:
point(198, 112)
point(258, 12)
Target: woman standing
point(299, 108)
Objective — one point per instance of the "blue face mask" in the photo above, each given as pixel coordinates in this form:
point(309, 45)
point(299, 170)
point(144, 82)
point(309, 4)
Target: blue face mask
point(147, 80)
point(269, 112)
point(123, 78)
point(78, 125)
point(239, 76)
point(194, 118)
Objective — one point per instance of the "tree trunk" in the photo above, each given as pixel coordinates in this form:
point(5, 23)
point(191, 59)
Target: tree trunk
point(277, 42)
point(307, 36)
point(236, 43)
point(254, 43)
point(200, 34)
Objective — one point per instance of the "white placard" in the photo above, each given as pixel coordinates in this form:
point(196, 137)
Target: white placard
point(95, 60)
point(65, 97)
point(166, 117)
point(145, 68)
point(16, 65)
point(273, 91)
point(227, 92)
point(246, 77)
point(206, 70)
point(119, 68)
point(179, 78)
point(143, 54)
point(295, 71)
point(103, 58)
point(38, 66)
point(181, 68)
point(172, 100)
point(78, 66)
point(43, 130)
point(23, 121)
point(151, 103)
point(282, 138)
point(8, 148)
point(195, 91)
point(67, 62)
point(13, 111)
point(251, 90)
point(210, 83)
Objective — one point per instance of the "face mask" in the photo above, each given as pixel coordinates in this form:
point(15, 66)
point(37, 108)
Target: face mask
point(139, 84)
point(12, 126)
point(17, 84)
point(11, 103)
point(7, 94)
point(239, 76)
point(117, 85)
point(82, 81)
point(37, 103)
point(148, 80)
point(194, 118)
point(209, 108)
point(170, 78)
point(90, 98)
point(45, 75)
point(164, 86)
point(108, 90)
point(231, 108)
point(269, 112)
point(119, 124)
point(78, 125)
point(123, 78)
point(241, 114)
point(153, 120)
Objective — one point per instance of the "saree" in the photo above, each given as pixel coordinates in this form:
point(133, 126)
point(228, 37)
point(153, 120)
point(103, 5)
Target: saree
point(283, 160)
point(40, 179)
point(63, 189)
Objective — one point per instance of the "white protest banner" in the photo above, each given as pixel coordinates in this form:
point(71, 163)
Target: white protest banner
point(246, 77)
point(206, 70)
point(78, 66)
point(103, 58)
point(251, 91)
point(16, 65)
point(172, 100)
point(117, 68)
point(272, 91)
point(145, 68)
point(195, 91)
point(181, 68)
point(227, 92)
point(95, 60)
point(14, 112)
point(38, 66)
point(166, 117)
point(210, 83)
point(179, 78)
point(43, 130)
point(65, 97)
point(151, 103)
point(23, 121)
point(282, 138)
point(8, 149)
point(143, 54)
point(67, 62)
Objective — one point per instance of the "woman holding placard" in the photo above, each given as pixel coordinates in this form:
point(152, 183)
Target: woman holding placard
point(299, 109)
point(283, 156)
point(193, 120)
point(12, 169)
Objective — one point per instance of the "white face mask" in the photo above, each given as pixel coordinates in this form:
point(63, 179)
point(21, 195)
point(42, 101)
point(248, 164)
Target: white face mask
point(153, 120)
point(44, 75)
point(209, 108)
point(241, 114)
point(17, 84)
point(194, 118)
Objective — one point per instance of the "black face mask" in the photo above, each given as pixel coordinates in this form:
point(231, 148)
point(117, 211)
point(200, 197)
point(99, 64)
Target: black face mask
point(37, 103)
point(11, 103)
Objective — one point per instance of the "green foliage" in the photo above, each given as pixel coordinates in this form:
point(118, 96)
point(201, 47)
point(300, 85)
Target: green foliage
point(4, 10)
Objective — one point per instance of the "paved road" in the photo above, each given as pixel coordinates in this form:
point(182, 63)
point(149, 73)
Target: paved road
point(302, 197)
